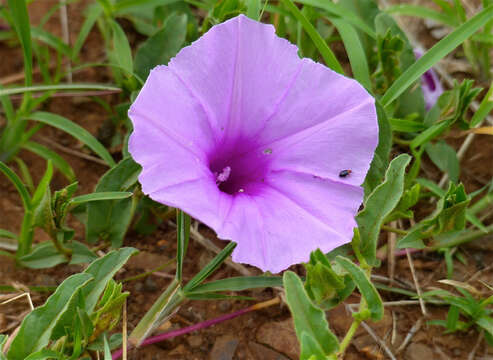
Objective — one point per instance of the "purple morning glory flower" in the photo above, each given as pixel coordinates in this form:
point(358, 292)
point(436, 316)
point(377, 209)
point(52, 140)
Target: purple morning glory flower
point(248, 138)
point(430, 84)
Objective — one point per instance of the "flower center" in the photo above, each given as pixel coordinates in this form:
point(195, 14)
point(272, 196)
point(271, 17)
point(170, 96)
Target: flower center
point(240, 167)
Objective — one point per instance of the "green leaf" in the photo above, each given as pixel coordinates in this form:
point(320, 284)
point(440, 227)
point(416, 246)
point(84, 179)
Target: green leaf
point(484, 109)
point(44, 354)
point(107, 351)
point(162, 46)
point(110, 219)
point(17, 182)
point(20, 17)
point(80, 253)
point(103, 270)
point(124, 6)
point(35, 330)
point(327, 54)
point(51, 40)
point(379, 204)
point(380, 160)
point(239, 284)
point(93, 12)
point(309, 321)
point(253, 9)
point(182, 237)
point(100, 196)
point(422, 12)
point(76, 131)
point(212, 266)
point(445, 158)
point(355, 52)
point(365, 287)
point(435, 54)
point(56, 159)
point(43, 256)
point(23, 89)
point(123, 52)
point(406, 126)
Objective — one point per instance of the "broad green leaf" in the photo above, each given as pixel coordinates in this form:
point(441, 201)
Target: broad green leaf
point(35, 330)
point(380, 160)
point(103, 270)
point(162, 46)
point(310, 349)
point(76, 131)
point(308, 319)
point(109, 220)
point(81, 253)
point(327, 54)
point(436, 53)
point(365, 287)
point(445, 158)
point(56, 159)
point(182, 237)
point(121, 47)
point(61, 87)
point(43, 256)
point(239, 284)
point(379, 204)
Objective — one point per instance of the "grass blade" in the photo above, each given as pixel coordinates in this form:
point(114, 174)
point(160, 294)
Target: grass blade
point(435, 54)
point(422, 12)
point(48, 154)
point(20, 90)
point(76, 131)
point(327, 54)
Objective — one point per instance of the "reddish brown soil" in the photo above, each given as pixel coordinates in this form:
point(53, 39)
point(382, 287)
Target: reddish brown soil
point(266, 334)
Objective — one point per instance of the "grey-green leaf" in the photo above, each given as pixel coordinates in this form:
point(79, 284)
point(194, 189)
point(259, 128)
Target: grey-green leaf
point(308, 319)
point(379, 204)
point(35, 330)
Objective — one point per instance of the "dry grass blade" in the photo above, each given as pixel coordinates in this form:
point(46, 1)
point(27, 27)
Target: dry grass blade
point(416, 283)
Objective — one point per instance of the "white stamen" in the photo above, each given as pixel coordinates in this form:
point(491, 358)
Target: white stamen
point(223, 175)
point(241, 190)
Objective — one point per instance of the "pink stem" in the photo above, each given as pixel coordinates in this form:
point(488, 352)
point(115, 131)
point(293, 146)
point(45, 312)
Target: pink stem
point(186, 330)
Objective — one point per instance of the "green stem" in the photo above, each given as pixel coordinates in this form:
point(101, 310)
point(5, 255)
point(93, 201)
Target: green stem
point(394, 230)
point(143, 275)
point(349, 336)
point(58, 242)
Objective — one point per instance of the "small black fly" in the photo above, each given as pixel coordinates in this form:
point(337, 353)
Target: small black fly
point(345, 173)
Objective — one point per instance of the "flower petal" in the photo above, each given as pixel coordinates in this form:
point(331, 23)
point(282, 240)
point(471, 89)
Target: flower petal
point(240, 71)
point(293, 215)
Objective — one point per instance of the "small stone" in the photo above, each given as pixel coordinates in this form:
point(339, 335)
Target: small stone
point(224, 348)
point(194, 341)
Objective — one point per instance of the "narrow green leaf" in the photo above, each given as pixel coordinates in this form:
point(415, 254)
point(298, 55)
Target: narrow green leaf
point(435, 54)
point(182, 236)
point(308, 319)
point(59, 162)
point(429, 134)
point(379, 204)
point(355, 52)
point(210, 267)
point(124, 6)
point(93, 12)
point(51, 40)
point(327, 54)
point(99, 196)
point(422, 12)
point(21, 188)
point(365, 287)
point(239, 284)
point(345, 14)
point(61, 87)
point(76, 131)
point(484, 109)
point(36, 328)
point(7, 234)
point(20, 17)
